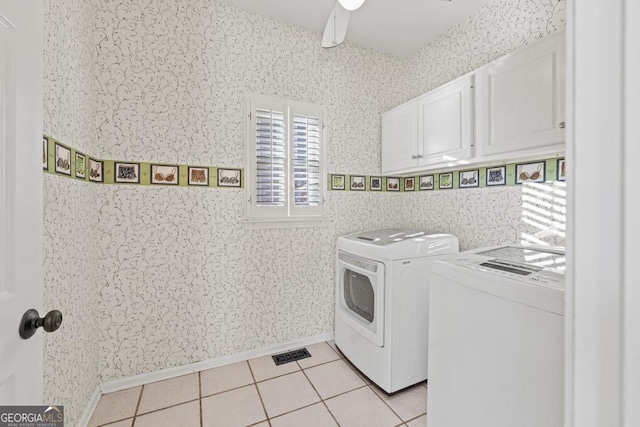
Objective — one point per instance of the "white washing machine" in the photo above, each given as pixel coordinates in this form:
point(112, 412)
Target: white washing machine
point(496, 338)
point(382, 296)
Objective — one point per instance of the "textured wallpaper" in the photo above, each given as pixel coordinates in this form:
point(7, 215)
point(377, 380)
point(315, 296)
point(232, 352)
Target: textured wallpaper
point(181, 278)
point(532, 213)
point(69, 54)
point(495, 30)
point(173, 78)
point(177, 276)
point(71, 354)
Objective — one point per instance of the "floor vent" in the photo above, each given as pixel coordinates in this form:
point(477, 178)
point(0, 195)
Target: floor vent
point(291, 356)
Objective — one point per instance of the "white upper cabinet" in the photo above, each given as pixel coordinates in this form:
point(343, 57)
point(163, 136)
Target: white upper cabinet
point(520, 102)
point(435, 129)
point(510, 109)
point(445, 123)
point(400, 138)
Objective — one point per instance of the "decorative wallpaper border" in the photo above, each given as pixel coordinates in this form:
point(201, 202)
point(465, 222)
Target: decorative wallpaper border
point(470, 177)
point(63, 160)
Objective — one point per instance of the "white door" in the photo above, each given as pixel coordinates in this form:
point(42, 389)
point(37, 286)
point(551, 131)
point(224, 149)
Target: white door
point(400, 138)
point(21, 78)
point(520, 100)
point(445, 123)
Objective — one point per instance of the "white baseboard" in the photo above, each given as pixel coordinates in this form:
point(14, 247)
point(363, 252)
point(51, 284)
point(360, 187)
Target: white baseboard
point(91, 407)
point(165, 374)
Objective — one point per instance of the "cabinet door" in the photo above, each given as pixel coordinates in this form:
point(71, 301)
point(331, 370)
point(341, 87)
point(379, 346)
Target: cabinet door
point(400, 138)
point(445, 123)
point(520, 100)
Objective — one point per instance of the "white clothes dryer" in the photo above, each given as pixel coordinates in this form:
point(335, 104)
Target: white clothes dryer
point(382, 299)
point(496, 338)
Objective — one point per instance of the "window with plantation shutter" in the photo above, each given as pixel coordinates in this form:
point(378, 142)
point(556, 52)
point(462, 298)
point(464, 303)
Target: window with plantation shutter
point(270, 158)
point(286, 178)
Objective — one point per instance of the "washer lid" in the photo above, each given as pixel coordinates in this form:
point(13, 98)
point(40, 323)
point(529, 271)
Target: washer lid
point(386, 236)
point(534, 265)
point(531, 259)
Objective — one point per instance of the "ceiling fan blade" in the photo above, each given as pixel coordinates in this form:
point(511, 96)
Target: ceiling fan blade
point(336, 28)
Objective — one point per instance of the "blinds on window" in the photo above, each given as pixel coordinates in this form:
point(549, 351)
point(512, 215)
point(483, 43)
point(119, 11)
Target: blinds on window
point(270, 158)
point(286, 157)
point(306, 160)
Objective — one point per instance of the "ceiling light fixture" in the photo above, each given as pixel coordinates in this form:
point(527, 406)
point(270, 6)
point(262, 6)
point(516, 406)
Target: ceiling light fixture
point(351, 5)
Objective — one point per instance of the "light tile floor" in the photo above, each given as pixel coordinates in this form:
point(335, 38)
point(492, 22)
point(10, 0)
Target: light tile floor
point(323, 390)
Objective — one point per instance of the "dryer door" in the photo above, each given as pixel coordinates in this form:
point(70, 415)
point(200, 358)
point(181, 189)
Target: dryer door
point(360, 296)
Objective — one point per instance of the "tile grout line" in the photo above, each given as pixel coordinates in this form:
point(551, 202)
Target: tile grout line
point(321, 398)
point(203, 396)
point(324, 402)
point(320, 364)
point(345, 392)
point(321, 401)
point(168, 407)
point(284, 413)
point(312, 386)
point(288, 373)
point(294, 410)
point(331, 413)
point(110, 423)
point(133, 417)
point(340, 358)
point(371, 386)
point(255, 384)
point(115, 422)
point(360, 375)
point(200, 399)
point(331, 347)
point(135, 414)
point(279, 376)
point(415, 418)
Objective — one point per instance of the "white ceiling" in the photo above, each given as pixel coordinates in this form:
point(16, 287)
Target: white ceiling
point(397, 27)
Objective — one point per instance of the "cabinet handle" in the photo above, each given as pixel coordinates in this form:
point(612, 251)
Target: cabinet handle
point(419, 156)
point(414, 157)
point(561, 125)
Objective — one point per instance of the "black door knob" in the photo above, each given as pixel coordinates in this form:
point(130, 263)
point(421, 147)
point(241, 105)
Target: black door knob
point(31, 321)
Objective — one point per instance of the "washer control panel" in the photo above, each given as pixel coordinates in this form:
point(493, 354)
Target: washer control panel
point(534, 266)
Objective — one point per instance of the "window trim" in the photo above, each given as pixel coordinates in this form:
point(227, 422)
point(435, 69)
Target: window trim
point(291, 218)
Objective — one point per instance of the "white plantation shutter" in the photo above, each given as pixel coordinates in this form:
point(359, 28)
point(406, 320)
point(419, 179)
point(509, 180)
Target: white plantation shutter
point(306, 160)
point(270, 158)
point(286, 179)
